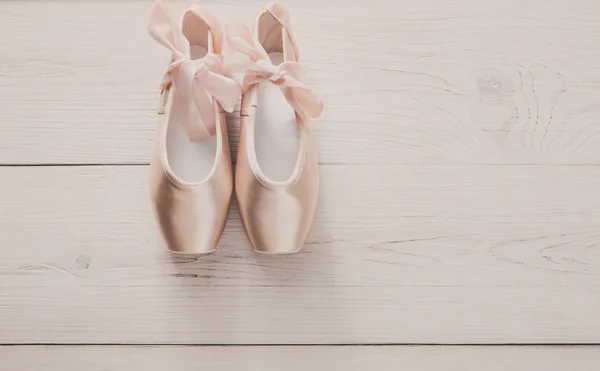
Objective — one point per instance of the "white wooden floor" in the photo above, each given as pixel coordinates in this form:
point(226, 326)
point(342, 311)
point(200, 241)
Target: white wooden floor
point(460, 200)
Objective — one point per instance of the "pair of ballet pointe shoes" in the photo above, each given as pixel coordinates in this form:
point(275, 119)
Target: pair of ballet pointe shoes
point(276, 175)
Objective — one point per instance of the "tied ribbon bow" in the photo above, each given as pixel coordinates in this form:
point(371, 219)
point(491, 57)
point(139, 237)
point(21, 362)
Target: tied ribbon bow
point(196, 82)
point(248, 55)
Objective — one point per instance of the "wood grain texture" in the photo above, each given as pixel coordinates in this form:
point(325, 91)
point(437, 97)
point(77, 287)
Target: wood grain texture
point(458, 254)
point(459, 203)
point(116, 358)
point(485, 82)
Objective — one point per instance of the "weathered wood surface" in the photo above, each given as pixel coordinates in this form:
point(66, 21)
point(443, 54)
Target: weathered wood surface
point(459, 199)
point(404, 82)
point(117, 358)
point(491, 254)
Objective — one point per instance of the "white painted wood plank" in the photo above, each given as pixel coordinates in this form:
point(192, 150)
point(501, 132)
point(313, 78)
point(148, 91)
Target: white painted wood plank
point(382, 358)
point(318, 314)
point(432, 81)
point(399, 254)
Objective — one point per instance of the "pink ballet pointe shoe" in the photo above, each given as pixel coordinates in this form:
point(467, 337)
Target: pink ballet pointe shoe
point(277, 178)
point(191, 177)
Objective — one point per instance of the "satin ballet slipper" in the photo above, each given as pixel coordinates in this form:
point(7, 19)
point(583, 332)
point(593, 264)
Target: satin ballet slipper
point(277, 178)
point(190, 173)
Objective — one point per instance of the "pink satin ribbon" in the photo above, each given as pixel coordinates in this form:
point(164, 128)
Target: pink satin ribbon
point(197, 82)
point(244, 53)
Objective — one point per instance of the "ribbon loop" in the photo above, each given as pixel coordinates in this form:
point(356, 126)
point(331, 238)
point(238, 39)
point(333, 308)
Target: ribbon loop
point(196, 82)
point(245, 54)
